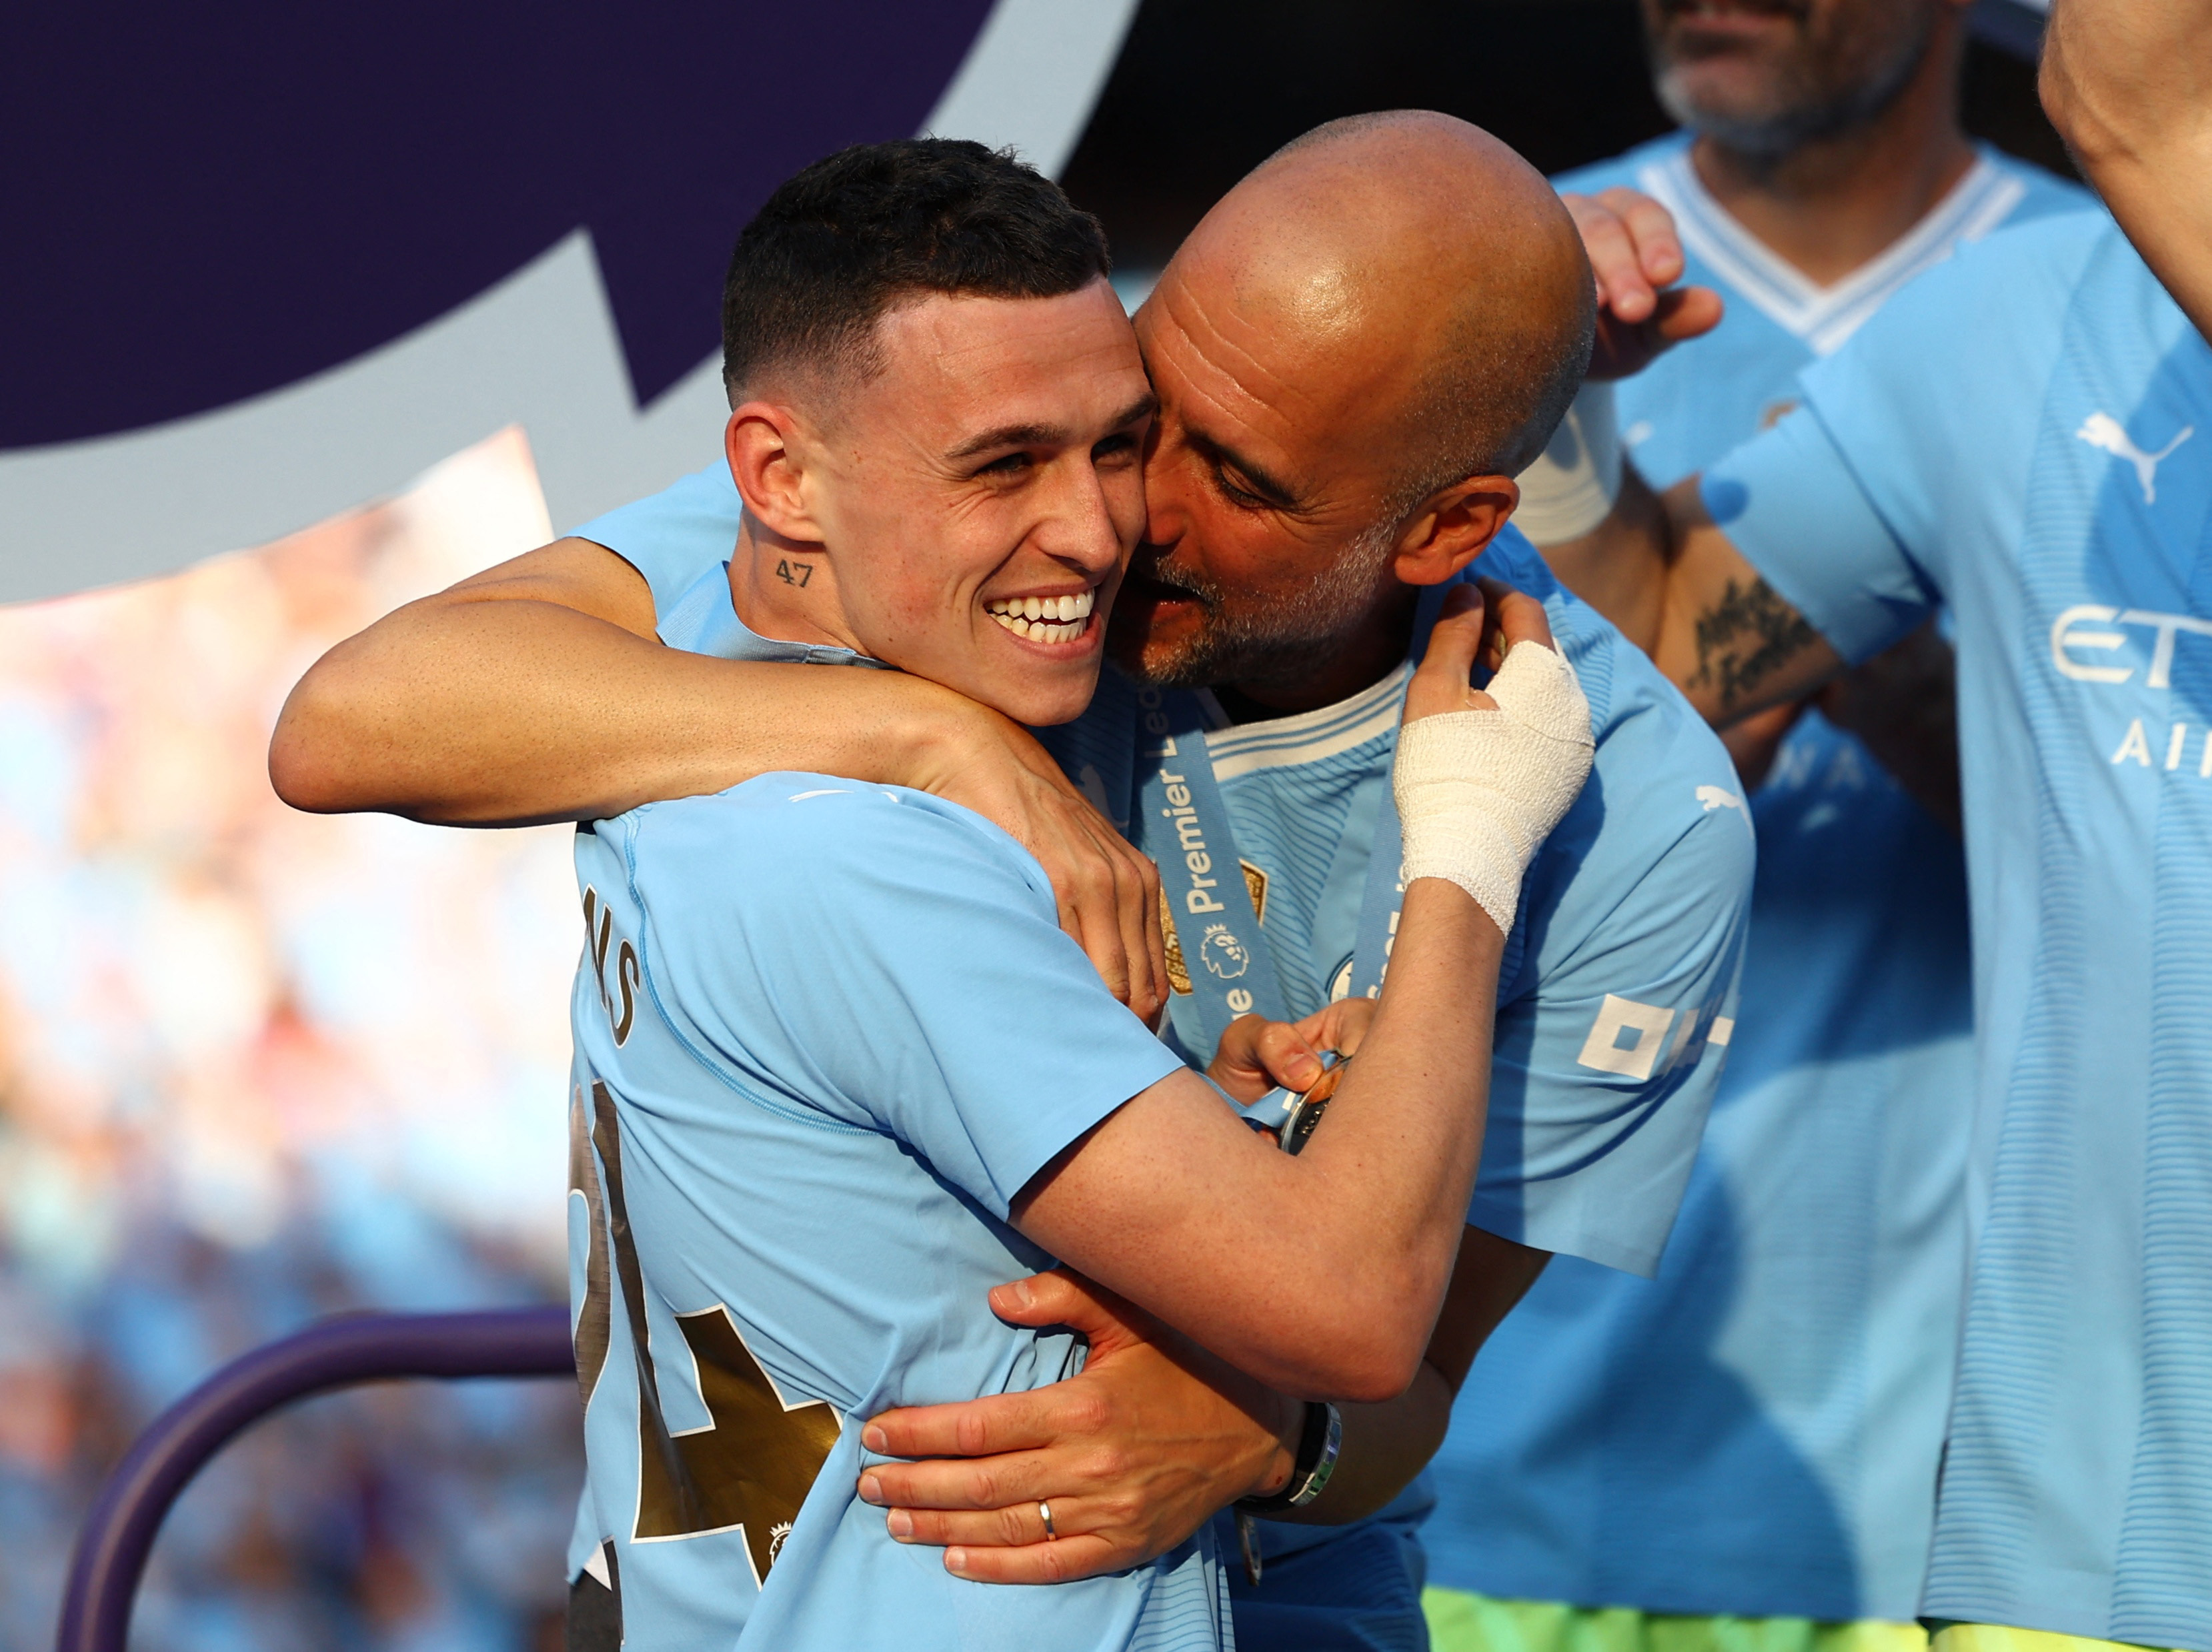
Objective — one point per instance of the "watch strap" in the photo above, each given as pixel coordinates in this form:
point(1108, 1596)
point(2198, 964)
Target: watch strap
point(1320, 1442)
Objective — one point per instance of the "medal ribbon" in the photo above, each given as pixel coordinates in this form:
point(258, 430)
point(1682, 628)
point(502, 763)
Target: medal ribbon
point(1381, 904)
point(1181, 822)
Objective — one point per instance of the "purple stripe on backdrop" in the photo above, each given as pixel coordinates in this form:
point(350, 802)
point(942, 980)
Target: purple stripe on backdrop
point(206, 204)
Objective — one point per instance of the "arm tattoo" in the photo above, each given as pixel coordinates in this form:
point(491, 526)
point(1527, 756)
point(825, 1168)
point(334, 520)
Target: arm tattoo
point(1745, 638)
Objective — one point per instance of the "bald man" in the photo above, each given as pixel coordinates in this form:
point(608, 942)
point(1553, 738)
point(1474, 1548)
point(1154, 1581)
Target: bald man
point(1354, 352)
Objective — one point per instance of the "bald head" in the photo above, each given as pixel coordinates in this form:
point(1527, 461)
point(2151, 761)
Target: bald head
point(1418, 285)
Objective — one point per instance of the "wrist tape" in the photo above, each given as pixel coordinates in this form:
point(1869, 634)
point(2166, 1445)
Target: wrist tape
point(1571, 487)
point(1477, 791)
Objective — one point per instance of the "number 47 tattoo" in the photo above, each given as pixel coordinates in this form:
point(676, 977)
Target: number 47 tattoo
point(791, 572)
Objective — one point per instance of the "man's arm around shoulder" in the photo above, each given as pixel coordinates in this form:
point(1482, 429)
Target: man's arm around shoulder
point(538, 690)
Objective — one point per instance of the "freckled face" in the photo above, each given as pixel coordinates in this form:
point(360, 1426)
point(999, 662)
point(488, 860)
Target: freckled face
point(983, 493)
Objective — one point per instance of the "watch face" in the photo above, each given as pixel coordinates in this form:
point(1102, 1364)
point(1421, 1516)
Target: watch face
point(1305, 1112)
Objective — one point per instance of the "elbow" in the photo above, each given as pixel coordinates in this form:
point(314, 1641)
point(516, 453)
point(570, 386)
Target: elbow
point(1368, 1369)
point(1388, 1351)
point(1374, 1376)
point(317, 754)
point(296, 772)
point(1366, 1352)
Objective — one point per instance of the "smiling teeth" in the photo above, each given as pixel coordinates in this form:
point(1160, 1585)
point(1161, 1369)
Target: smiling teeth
point(1044, 619)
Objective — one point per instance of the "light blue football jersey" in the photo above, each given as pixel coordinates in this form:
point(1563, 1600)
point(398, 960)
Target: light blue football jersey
point(1757, 1431)
point(2015, 437)
point(1615, 1000)
point(824, 1033)
point(1695, 404)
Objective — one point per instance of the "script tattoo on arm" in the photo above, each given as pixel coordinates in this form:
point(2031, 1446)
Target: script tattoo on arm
point(1744, 639)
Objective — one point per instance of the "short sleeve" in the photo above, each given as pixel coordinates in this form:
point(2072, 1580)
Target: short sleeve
point(881, 959)
point(1849, 506)
point(1790, 502)
point(675, 535)
point(1602, 1073)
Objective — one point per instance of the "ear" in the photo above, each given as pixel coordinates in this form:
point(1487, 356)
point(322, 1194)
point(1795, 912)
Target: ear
point(769, 453)
point(1453, 527)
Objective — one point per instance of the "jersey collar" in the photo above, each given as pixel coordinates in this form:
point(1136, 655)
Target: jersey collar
point(1824, 317)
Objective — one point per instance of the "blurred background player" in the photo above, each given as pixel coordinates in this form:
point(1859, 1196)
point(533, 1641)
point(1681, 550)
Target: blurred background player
point(1757, 1433)
point(2015, 437)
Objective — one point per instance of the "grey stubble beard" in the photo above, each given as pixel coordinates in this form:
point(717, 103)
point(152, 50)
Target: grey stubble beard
point(1770, 136)
point(1282, 643)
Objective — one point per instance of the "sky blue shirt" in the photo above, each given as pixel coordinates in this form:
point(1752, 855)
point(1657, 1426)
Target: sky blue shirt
point(825, 1032)
point(1757, 1431)
point(2014, 438)
point(1616, 998)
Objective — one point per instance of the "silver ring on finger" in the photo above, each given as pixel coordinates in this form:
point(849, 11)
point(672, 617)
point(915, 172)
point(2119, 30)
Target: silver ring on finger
point(1044, 1510)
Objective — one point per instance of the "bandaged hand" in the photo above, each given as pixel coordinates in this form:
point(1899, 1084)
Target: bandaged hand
point(1481, 779)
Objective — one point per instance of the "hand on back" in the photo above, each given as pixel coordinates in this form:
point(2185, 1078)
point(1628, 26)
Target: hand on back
point(1107, 891)
point(1132, 1454)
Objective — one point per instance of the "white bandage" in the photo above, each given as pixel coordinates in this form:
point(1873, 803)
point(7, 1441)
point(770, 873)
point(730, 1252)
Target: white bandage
point(1477, 791)
point(1571, 487)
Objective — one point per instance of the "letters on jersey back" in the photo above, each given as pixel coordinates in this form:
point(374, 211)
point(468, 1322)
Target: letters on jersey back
point(754, 1463)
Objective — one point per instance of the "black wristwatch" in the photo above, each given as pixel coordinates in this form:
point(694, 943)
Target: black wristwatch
point(1319, 1443)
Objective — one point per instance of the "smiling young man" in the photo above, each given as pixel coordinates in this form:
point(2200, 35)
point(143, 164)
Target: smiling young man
point(1354, 354)
point(838, 1070)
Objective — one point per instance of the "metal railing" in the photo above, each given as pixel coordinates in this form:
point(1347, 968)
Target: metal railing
point(336, 1353)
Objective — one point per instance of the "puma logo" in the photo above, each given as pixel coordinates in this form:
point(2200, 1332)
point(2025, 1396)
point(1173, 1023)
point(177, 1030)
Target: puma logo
point(2103, 431)
point(1714, 797)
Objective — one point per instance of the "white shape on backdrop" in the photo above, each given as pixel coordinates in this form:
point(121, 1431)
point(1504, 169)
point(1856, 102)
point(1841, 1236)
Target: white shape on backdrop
point(1031, 78)
point(539, 350)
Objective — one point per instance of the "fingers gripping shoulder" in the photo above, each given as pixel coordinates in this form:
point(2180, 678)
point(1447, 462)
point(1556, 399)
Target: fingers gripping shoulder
point(1478, 791)
point(1537, 689)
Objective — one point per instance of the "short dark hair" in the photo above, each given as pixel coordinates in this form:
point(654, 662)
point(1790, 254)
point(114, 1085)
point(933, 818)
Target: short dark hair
point(851, 236)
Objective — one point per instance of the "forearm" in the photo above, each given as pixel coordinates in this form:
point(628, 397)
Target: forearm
point(1663, 572)
point(1384, 1446)
point(1622, 567)
point(501, 713)
point(1903, 703)
point(1386, 1182)
point(1184, 1434)
point(2129, 85)
point(1348, 1246)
